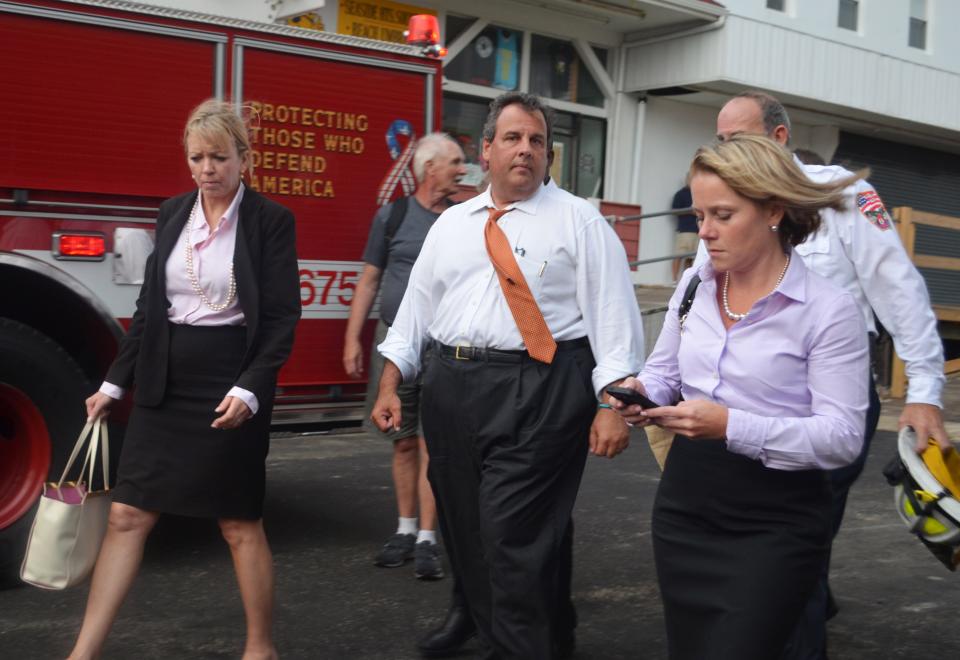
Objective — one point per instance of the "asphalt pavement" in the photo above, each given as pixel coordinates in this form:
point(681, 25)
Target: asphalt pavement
point(330, 506)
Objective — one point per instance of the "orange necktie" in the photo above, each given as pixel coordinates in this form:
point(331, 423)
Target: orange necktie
point(536, 335)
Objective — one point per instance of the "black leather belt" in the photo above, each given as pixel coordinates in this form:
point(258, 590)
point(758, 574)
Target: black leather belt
point(480, 354)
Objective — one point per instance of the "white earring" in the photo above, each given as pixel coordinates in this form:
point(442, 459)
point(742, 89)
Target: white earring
point(775, 228)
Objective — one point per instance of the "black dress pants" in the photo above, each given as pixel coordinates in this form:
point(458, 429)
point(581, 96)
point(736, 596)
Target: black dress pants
point(566, 616)
point(507, 442)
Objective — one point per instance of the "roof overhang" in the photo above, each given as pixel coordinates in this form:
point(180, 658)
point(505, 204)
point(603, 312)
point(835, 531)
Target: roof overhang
point(600, 22)
point(877, 94)
point(816, 112)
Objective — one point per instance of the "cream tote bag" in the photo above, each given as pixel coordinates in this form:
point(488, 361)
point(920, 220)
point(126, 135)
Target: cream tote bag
point(71, 520)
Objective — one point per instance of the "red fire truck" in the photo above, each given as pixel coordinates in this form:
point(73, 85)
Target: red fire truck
point(94, 99)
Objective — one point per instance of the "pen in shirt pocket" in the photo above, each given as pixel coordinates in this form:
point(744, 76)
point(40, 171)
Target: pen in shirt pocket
point(522, 252)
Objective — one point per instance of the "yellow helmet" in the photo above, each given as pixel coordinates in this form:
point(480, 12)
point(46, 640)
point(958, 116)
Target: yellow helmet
point(927, 495)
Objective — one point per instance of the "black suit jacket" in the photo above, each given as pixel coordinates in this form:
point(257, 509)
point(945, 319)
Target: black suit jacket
point(265, 267)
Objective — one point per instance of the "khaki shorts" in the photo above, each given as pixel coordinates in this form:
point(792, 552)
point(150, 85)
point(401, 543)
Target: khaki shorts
point(409, 394)
point(686, 242)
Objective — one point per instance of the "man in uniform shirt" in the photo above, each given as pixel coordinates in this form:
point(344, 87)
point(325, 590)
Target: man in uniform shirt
point(524, 298)
point(859, 249)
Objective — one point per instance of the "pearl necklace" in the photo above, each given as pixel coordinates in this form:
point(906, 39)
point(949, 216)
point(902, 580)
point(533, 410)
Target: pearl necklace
point(191, 275)
point(733, 316)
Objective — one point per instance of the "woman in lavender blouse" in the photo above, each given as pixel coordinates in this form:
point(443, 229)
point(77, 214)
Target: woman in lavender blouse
point(769, 367)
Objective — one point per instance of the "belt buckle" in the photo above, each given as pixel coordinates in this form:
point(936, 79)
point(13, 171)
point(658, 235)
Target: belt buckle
point(456, 354)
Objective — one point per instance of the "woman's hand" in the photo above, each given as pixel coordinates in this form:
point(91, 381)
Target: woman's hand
point(694, 419)
point(632, 414)
point(235, 412)
point(98, 405)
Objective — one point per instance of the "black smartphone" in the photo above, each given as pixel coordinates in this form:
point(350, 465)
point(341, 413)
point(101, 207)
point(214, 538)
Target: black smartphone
point(631, 397)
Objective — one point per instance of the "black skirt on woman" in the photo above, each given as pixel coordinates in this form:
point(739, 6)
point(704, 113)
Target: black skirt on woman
point(738, 549)
point(172, 460)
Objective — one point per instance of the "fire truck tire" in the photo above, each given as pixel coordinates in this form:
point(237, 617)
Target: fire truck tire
point(42, 390)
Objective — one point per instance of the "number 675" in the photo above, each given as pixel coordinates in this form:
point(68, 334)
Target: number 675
point(323, 280)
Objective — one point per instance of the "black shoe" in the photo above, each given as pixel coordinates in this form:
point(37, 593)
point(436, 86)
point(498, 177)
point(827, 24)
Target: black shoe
point(427, 564)
point(453, 633)
point(565, 644)
point(397, 551)
point(565, 631)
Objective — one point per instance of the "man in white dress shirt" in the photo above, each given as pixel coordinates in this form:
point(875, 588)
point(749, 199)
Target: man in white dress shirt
point(859, 249)
point(507, 432)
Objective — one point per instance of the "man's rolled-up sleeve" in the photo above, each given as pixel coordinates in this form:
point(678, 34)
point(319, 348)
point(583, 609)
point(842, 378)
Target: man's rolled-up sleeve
point(608, 304)
point(407, 336)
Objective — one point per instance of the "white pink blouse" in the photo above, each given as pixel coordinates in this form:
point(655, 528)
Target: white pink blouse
point(212, 253)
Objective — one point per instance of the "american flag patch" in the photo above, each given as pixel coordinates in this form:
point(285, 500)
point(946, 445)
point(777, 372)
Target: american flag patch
point(873, 209)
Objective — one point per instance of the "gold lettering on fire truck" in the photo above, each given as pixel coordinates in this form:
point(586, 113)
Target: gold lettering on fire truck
point(286, 142)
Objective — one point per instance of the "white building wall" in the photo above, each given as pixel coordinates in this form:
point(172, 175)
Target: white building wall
point(672, 132)
point(883, 28)
point(832, 75)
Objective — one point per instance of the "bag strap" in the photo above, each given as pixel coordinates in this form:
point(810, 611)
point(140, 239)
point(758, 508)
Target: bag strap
point(398, 213)
point(688, 297)
point(76, 451)
point(100, 437)
point(94, 429)
point(90, 458)
point(105, 453)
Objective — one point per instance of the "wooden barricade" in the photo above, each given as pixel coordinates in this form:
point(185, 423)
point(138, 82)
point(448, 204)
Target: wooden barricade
point(908, 221)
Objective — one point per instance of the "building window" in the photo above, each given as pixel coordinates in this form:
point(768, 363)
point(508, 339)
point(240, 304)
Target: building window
point(455, 26)
point(918, 24)
point(557, 72)
point(500, 58)
point(847, 16)
point(463, 119)
point(590, 155)
point(492, 59)
point(778, 5)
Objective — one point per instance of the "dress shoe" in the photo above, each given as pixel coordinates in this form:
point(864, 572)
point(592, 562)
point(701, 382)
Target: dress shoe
point(450, 636)
point(565, 644)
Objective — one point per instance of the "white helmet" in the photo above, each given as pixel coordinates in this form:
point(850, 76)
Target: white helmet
point(927, 495)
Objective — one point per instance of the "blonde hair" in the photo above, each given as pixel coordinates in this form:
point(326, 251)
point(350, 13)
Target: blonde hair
point(218, 121)
point(762, 170)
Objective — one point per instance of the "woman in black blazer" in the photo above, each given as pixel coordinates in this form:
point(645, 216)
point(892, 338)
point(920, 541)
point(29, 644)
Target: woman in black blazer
point(214, 323)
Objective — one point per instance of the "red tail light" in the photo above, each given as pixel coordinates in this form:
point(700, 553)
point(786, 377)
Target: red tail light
point(85, 246)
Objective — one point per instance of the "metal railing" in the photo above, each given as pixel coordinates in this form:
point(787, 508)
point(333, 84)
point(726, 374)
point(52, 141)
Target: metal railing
point(614, 219)
point(669, 257)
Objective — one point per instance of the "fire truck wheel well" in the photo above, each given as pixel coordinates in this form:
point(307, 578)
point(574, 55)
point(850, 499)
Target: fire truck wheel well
point(42, 298)
point(42, 392)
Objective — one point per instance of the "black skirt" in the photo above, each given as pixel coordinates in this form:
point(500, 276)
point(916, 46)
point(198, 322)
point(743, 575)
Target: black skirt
point(738, 549)
point(172, 461)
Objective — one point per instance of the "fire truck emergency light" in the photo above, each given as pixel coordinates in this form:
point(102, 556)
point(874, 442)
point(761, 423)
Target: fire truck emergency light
point(86, 246)
point(424, 30)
